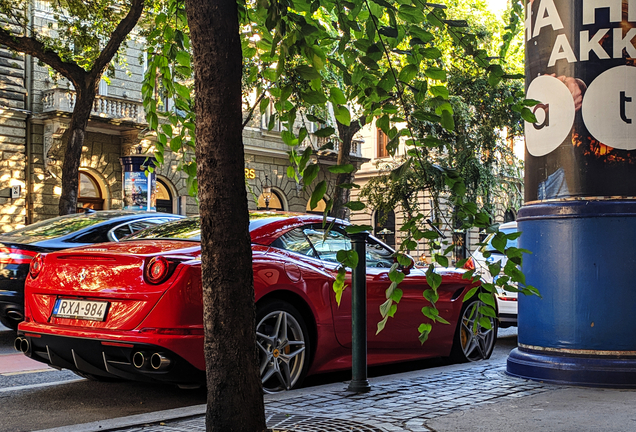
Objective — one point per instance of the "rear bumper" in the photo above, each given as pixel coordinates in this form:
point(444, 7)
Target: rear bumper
point(111, 355)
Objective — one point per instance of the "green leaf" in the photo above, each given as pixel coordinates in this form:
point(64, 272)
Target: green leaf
point(396, 295)
point(310, 173)
point(442, 260)
point(183, 58)
point(485, 323)
point(355, 205)
point(436, 73)
point(342, 115)
point(431, 295)
point(388, 32)
point(431, 53)
point(426, 116)
point(433, 279)
point(499, 242)
point(407, 73)
point(318, 194)
point(382, 324)
point(339, 284)
point(307, 72)
point(369, 62)
point(289, 138)
point(447, 121)
point(528, 115)
point(341, 169)
point(439, 91)
point(471, 292)
point(314, 97)
point(487, 298)
point(336, 96)
point(430, 313)
point(325, 132)
point(425, 330)
point(354, 229)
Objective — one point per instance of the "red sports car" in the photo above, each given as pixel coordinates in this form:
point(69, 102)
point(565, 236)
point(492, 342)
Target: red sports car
point(133, 310)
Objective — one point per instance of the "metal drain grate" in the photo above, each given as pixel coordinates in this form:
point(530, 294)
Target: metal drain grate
point(303, 423)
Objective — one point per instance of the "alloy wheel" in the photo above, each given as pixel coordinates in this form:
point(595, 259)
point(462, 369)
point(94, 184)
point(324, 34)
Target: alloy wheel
point(476, 340)
point(281, 345)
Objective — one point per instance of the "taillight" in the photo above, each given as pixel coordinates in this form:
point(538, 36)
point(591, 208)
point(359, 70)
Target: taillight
point(36, 266)
point(10, 255)
point(470, 264)
point(157, 270)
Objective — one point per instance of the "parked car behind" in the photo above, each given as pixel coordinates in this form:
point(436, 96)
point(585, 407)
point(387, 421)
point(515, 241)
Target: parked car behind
point(17, 248)
point(506, 300)
point(134, 310)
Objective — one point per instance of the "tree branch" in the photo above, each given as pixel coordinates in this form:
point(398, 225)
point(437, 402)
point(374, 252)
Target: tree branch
point(32, 46)
point(124, 27)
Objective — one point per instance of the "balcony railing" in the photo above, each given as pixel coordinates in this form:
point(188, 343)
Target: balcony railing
point(107, 107)
point(356, 149)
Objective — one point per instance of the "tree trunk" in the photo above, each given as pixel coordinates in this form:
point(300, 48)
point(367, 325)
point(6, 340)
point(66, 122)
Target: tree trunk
point(235, 398)
point(77, 134)
point(341, 195)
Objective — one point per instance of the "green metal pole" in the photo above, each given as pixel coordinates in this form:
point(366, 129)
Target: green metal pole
point(359, 382)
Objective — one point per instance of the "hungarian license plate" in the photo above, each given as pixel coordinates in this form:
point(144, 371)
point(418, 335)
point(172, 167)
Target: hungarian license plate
point(80, 309)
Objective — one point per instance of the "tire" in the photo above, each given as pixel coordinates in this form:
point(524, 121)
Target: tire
point(472, 342)
point(283, 346)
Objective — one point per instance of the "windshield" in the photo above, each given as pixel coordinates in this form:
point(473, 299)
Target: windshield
point(62, 225)
point(511, 243)
point(182, 229)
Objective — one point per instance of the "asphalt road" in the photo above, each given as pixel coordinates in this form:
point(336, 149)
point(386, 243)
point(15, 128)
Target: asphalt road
point(34, 397)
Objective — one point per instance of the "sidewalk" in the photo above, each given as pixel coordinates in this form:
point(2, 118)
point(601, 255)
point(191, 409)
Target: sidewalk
point(467, 397)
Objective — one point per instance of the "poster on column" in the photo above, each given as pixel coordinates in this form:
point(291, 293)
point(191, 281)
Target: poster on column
point(581, 67)
point(137, 193)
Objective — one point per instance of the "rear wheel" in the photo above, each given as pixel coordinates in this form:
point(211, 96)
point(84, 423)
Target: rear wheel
point(473, 342)
point(283, 345)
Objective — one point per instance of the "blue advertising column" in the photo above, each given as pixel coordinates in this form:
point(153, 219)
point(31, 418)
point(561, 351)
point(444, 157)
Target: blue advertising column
point(579, 220)
point(139, 189)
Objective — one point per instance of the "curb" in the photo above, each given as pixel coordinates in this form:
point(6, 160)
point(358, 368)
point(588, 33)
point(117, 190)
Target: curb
point(134, 420)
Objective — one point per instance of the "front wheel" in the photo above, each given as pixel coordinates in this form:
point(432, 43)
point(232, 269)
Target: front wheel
point(472, 341)
point(283, 346)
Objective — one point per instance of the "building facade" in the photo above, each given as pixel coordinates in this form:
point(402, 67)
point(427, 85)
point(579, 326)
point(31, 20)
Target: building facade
point(35, 112)
point(387, 226)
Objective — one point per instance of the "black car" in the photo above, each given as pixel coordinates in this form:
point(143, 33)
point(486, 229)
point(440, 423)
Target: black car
point(17, 248)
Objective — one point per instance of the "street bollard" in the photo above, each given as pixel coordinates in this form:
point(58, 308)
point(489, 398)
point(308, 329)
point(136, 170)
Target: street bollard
point(359, 382)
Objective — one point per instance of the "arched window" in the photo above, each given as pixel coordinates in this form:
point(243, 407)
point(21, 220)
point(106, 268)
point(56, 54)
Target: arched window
point(89, 194)
point(270, 201)
point(164, 198)
point(384, 227)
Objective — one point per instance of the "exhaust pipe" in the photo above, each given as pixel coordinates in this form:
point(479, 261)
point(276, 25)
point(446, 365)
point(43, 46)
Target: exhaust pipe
point(21, 344)
point(159, 362)
point(24, 345)
point(140, 360)
point(16, 344)
point(15, 315)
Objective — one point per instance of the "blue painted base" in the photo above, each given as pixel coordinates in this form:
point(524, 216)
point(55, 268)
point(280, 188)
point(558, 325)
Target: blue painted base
point(583, 371)
point(581, 330)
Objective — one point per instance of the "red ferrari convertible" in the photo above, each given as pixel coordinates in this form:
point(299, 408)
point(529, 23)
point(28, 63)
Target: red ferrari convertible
point(133, 310)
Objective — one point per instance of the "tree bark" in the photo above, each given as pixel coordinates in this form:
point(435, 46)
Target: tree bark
point(341, 195)
point(73, 154)
point(235, 398)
